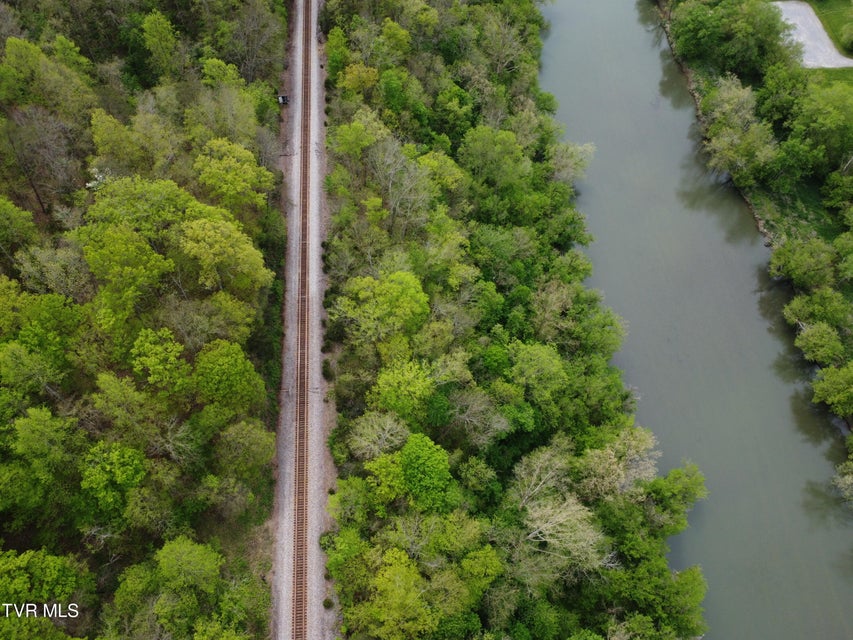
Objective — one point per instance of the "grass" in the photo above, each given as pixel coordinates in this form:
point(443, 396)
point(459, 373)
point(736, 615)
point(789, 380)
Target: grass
point(834, 14)
point(833, 75)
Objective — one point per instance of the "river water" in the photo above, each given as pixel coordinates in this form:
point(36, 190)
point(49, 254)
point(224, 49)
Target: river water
point(677, 255)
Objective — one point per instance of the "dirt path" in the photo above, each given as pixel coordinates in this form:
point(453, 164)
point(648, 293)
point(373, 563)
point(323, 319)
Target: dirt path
point(303, 156)
point(818, 50)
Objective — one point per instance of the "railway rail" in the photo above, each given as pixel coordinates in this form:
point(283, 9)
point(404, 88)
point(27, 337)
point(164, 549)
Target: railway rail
point(299, 619)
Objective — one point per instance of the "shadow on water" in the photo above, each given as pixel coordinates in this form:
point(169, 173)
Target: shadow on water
point(708, 194)
point(825, 507)
point(812, 421)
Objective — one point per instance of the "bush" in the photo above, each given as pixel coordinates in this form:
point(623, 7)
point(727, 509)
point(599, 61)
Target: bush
point(847, 37)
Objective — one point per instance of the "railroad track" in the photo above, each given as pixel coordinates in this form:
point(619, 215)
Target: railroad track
point(300, 439)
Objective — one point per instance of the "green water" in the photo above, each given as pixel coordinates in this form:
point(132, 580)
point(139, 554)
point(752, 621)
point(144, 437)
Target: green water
point(677, 255)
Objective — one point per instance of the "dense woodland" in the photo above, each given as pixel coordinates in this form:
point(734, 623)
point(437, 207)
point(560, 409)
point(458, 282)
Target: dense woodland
point(493, 485)
point(139, 315)
point(785, 135)
point(493, 482)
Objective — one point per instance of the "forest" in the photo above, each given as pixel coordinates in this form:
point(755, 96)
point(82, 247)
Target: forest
point(493, 483)
point(140, 253)
point(785, 136)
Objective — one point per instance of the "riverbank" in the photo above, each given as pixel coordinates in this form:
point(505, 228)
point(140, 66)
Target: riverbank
point(696, 94)
point(782, 133)
point(677, 255)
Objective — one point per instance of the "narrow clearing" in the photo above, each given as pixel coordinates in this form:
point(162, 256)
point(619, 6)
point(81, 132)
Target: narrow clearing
point(305, 469)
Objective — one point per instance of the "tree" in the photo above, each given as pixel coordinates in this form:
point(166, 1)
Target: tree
point(404, 389)
point(539, 369)
point(123, 261)
point(224, 258)
point(738, 142)
point(397, 609)
point(820, 343)
point(40, 577)
point(337, 53)
point(231, 174)
point(834, 386)
point(375, 433)
point(426, 473)
point(17, 230)
point(41, 147)
point(808, 263)
point(162, 43)
point(245, 450)
point(225, 376)
point(109, 471)
point(378, 309)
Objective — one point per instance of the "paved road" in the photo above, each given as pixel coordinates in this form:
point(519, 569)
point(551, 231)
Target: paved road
point(818, 49)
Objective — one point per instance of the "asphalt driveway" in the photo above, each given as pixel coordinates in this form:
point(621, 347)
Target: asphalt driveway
point(818, 49)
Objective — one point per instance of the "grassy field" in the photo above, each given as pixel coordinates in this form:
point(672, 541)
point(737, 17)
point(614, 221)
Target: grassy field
point(834, 14)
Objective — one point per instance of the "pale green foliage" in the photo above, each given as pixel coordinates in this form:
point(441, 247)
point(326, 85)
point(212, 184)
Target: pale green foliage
point(619, 466)
point(38, 576)
point(426, 472)
point(397, 610)
point(162, 43)
point(225, 257)
point(232, 176)
point(834, 386)
point(539, 369)
point(42, 439)
point(375, 433)
point(820, 343)
point(109, 472)
point(17, 228)
point(225, 111)
point(808, 263)
point(402, 388)
point(245, 450)
point(157, 358)
point(28, 76)
point(134, 414)
point(124, 262)
point(738, 141)
point(197, 322)
point(184, 564)
point(149, 146)
point(376, 310)
point(494, 157)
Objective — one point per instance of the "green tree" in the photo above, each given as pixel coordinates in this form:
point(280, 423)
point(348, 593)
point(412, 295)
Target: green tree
point(426, 473)
point(404, 389)
point(162, 43)
point(224, 258)
point(225, 376)
point(834, 386)
point(108, 472)
point(820, 343)
point(378, 309)
point(738, 141)
point(397, 609)
point(231, 174)
point(17, 230)
point(157, 358)
point(337, 53)
point(808, 263)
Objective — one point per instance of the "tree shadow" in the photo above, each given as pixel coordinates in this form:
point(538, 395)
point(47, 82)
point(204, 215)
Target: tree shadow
point(826, 507)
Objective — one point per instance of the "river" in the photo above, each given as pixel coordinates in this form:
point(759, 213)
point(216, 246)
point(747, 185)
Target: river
point(677, 255)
